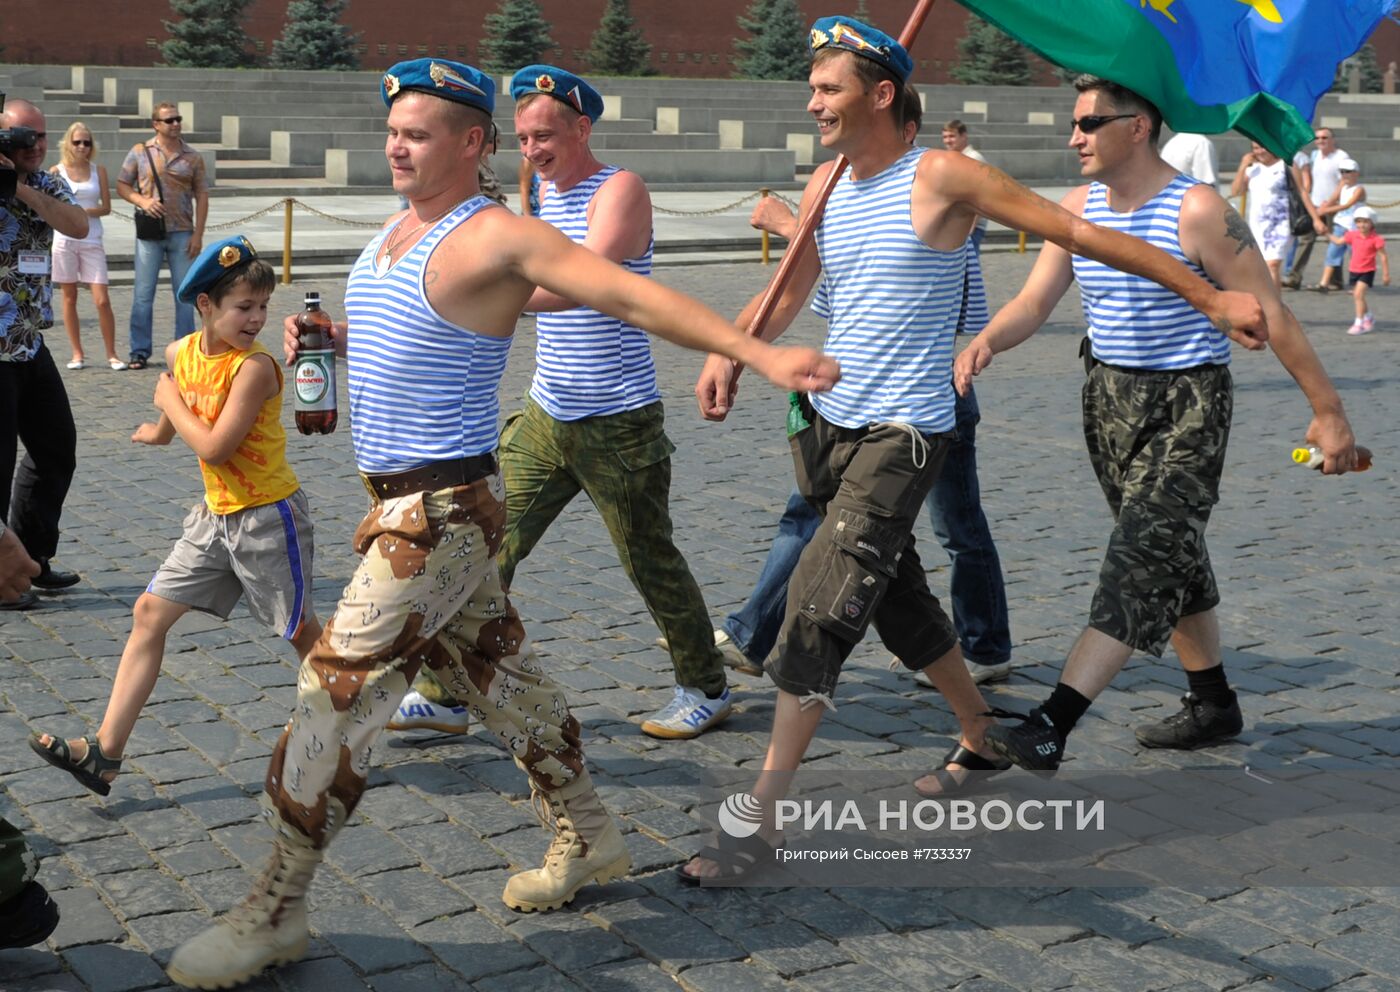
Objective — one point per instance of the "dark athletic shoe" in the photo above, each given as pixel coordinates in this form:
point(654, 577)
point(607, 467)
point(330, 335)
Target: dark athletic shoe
point(1199, 724)
point(50, 579)
point(1033, 744)
point(24, 601)
point(28, 918)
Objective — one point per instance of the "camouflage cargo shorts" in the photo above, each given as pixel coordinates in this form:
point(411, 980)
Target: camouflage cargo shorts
point(1157, 443)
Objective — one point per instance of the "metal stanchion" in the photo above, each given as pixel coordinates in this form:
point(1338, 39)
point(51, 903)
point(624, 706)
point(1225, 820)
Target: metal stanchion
point(287, 243)
point(1021, 242)
point(763, 195)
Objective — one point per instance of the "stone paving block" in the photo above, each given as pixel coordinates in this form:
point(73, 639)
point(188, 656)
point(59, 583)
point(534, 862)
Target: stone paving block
point(544, 978)
point(17, 964)
point(50, 983)
point(475, 947)
point(221, 743)
point(84, 919)
point(1304, 966)
point(991, 956)
point(365, 850)
point(855, 978)
point(569, 942)
point(391, 806)
point(789, 948)
point(1101, 963)
point(367, 938)
point(667, 936)
point(219, 891)
point(144, 893)
point(485, 813)
point(1199, 959)
point(174, 766)
point(1376, 954)
point(72, 822)
point(114, 967)
point(111, 854)
point(319, 975)
point(449, 849)
point(730, 976)
point(160, 828)
point(412, 896)
point(189, 860)
point(213, 801)
point(1006, 912)
point(899, 909)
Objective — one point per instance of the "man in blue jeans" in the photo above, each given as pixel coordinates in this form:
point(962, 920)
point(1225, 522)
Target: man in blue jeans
point(954, 505)
point(164, 177)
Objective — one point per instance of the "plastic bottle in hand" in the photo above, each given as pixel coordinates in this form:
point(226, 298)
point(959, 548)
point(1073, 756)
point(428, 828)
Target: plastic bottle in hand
point(313, 375)
point(1311, 457)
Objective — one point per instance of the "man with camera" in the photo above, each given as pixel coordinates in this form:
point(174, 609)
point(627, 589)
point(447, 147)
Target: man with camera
point(33, 403)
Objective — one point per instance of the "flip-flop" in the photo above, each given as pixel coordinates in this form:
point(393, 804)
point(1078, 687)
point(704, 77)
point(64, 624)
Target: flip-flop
point(970, 760)
point(116, 364)
point(76, 363)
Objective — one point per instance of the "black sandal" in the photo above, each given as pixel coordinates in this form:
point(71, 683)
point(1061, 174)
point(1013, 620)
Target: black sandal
point(970, 760)
point(137, 362)
point(88, 771)
point(737, 857)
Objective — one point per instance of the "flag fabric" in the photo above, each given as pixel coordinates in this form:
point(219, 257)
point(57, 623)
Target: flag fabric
point(1257, 66)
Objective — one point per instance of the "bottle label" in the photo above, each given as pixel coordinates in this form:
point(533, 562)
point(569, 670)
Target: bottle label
point(314, 380)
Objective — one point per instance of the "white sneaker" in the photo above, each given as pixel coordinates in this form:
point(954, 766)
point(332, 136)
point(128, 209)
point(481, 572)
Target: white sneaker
point(1357, 327)
point(689, 714)
point(981, 674)
point(417, 713)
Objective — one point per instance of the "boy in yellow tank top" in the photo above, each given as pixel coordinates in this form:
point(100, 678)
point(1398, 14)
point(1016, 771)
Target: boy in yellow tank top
point(251, 536)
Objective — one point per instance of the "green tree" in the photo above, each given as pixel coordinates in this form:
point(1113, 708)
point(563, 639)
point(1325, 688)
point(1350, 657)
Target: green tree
point(619, 48)
point(1371, 76)
point(990, 57)
point(314, 38)
point(778, 45)
point(516, 35)
point(209, 35)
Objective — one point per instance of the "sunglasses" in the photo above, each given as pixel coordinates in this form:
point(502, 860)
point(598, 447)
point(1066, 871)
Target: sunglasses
point(1091, 123)
point(170, 120)
point(82, 144)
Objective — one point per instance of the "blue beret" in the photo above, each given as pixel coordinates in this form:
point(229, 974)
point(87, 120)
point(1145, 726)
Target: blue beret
point(560, 84)
point(213, 264)
point(862, 39)
point(454, 81)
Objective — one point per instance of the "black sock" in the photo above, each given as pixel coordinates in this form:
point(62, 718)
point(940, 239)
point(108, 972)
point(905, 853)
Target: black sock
point(1064, 708)
point(1210, 686)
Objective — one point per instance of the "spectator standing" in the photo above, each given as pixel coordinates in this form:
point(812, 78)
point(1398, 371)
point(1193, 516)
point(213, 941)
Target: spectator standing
point(1194, 155)
point(1366, 245)
point(165, 177)
point(84, 260)
point(1340, 209)
point(33, 403)
point(1265, 176)
point(1321, 177)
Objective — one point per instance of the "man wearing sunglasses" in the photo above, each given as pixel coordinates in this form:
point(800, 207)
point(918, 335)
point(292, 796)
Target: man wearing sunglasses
point(165, 177)
point(1157, 407)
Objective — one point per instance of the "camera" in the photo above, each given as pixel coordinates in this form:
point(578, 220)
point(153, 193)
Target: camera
point(12, 138)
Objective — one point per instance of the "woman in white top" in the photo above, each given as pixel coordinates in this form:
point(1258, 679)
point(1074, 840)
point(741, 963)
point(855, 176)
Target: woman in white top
point(1266, 206)
point(84, 260)
point(1350, 194)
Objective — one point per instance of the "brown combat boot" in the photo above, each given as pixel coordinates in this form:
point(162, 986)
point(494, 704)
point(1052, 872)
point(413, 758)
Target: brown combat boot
point(267, 928)
point(587, 848)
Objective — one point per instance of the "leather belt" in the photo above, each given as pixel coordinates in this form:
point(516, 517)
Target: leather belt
point(430, 477)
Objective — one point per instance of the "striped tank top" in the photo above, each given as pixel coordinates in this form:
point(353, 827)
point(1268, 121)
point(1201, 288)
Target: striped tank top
point(1133, 321)
point(894, 305)
point(588, 364)
point(421, 389)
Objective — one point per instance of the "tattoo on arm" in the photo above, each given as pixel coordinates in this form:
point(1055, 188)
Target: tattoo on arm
point(1222, 323)
point(1238, 231)
point(430, 277)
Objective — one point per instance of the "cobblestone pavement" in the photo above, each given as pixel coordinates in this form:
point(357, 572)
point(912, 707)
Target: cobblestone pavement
point(410, 898)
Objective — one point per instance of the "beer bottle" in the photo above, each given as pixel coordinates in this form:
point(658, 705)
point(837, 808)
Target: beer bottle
point(1311, 457)
point(313, 375)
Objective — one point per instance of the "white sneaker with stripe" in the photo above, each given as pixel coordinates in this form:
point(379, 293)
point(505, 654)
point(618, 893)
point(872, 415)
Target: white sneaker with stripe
point(689, 714)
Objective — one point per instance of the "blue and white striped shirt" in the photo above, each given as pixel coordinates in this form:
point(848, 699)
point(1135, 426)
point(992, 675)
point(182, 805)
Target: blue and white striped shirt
point(1133, 321)
point(421, 389)
point(894, 305)
point(588, 364)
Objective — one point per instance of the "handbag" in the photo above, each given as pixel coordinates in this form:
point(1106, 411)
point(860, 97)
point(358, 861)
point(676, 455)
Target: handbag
point(149, 227)
point(1300, 222)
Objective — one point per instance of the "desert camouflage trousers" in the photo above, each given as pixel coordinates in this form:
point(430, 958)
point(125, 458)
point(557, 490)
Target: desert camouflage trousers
point(426, 593)
point(1157, 443)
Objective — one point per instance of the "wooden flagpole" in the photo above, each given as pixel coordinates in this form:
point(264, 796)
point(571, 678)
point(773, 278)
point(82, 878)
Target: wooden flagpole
point(802, 239)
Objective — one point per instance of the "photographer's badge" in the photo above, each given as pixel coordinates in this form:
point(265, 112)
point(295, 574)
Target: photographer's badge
point(33, 263)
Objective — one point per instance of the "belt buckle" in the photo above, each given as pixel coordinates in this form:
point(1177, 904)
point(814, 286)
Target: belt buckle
point(369, 488)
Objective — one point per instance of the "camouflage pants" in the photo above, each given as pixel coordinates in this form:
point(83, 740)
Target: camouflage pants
point(18, 866)
point(426, 593)
point(1157, 443)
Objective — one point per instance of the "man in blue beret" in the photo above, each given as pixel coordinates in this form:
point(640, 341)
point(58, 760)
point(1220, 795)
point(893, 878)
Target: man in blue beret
point(431, 305)
point(594, 394)
point(892, 246)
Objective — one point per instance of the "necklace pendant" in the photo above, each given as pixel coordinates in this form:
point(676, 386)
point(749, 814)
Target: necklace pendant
point(382, 263)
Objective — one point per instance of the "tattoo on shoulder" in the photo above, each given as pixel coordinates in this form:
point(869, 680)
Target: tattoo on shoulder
point(1238, 231)
point(430, 277)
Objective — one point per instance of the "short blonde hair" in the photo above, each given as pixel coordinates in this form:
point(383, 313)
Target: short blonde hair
point(65, 150)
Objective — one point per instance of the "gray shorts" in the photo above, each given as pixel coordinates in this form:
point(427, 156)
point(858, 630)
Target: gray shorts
point(262, 553)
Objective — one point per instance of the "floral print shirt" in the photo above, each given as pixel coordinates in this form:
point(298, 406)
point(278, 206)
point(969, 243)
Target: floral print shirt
point(25, 286)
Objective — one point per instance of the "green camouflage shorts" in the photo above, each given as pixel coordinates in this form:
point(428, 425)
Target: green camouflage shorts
point(1157, 443)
